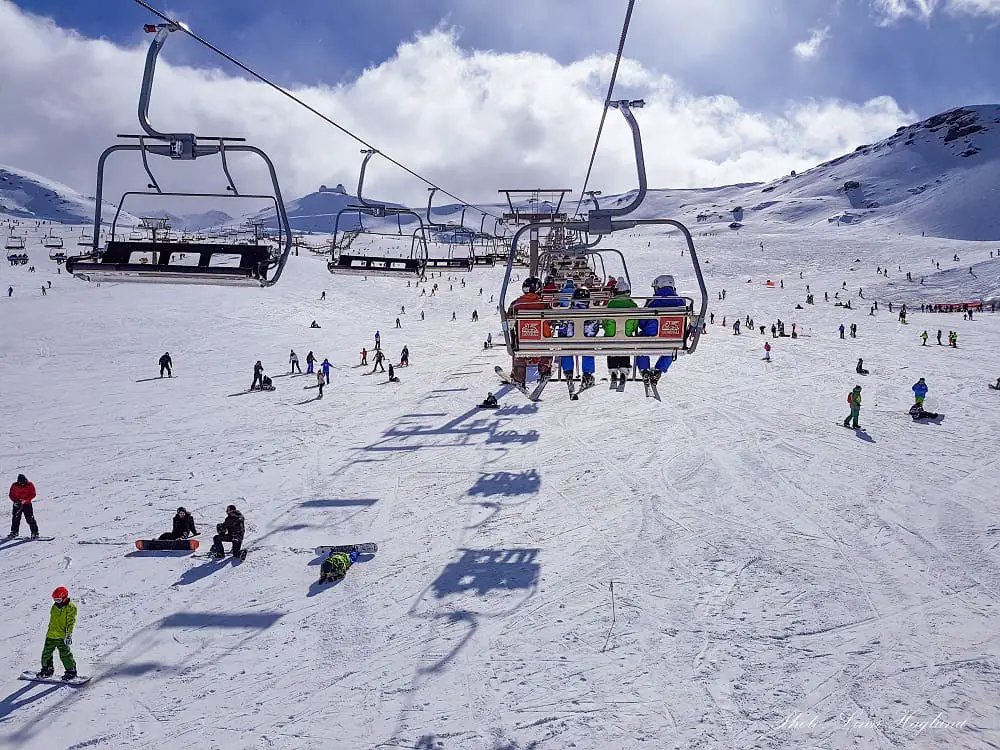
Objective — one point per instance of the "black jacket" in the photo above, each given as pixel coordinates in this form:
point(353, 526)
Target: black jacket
point(165, 361)
point(184, 526)
point(233, 525)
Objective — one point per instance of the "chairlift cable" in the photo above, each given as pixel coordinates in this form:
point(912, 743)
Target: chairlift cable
point(285, 92)
point(607, 100)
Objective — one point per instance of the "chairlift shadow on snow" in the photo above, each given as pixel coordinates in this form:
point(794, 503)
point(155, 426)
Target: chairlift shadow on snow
point(509, 410)
point(20, 698)
point(507, 483)
point(509, 437)
point(366, 502)
point(479, 572)
point(139, 669)
point(195, 574)
point(221, 620)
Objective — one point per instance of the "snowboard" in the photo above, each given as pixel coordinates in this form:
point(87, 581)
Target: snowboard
point(488, 406)
point(53, 680)
point(27, 539)
point(366, 548)
point(152, 545)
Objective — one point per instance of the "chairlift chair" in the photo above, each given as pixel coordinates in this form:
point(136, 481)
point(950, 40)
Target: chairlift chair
point(540, 333)
point(14, 242)
point(117, 261)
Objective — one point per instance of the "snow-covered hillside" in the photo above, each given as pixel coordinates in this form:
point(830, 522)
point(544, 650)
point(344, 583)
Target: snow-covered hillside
point(729, 568)
point(24, 195)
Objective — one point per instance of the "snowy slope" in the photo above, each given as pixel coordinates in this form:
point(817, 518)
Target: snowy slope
point(767, 565)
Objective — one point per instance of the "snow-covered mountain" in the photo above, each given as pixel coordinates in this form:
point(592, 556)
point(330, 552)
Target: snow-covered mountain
point(940, 176)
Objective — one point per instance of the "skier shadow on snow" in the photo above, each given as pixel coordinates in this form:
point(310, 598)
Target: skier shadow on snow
point(21, 698)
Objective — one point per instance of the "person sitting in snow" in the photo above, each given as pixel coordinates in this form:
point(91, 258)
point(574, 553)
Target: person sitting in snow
point(183, 526)
point(335, 567)
point(230, 530)
point(490, 402)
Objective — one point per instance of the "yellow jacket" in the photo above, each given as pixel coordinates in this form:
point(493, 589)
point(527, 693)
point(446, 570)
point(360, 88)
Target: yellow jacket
point(61, 621)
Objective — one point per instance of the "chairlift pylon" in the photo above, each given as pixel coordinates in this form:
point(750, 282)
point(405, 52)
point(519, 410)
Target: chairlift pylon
point(161, 261)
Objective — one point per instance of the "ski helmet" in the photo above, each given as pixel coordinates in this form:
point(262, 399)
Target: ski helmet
point(60, 593)
point(531, 285)
point(622, 286)
point(664, 280)
point(581, 293)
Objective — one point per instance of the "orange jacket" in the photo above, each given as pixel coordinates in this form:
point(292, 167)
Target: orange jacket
point(22, 493)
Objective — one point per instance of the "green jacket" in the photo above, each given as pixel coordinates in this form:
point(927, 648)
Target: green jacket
point(631, 326)
point(61, 621)
point(854, 399)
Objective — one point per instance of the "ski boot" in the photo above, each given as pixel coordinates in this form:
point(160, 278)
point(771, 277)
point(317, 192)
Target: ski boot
point(654, 377)
point(216, 554)
point(614, 378)
point(70, 675)
point(34, 536)
point(587, 381)
point(10, 536)
point(46, 671)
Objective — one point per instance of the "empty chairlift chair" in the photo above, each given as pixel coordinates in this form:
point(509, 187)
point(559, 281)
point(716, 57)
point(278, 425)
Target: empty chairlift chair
point(223, 262)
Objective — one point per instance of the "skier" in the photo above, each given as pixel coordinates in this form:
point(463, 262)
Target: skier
point(59, 636)
point(230, 530)
point(581, 301)
point(530, 300)
point(453, 316)
point(841, 330)
point(325, 368)
point(183, 526)
point(854, 400)
point(421, 314)
point(378, 340)
point(398, 324)
point(10, 291)
point(258, 376)
point(664, 295)
point(939, 337)
point(322, 296)
point(736, 327)
point(475, 316)
point(379, 357)
point(310, 362)
point(618, 366)
point(767, 351)
point(404, 357)
point(923, 338)
point(860, 369)
point(320, 382)
point(364, 356)
point(919, 392)
point(22, 493)
point(165, 364)
point(854, 330)
point(335, 567)
point(293, 362)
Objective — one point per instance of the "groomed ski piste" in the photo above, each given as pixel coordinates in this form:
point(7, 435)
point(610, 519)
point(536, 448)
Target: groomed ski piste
point(726, 568)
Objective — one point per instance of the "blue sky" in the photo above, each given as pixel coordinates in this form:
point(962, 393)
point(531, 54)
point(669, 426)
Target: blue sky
point(929, 55)
point(477, 94)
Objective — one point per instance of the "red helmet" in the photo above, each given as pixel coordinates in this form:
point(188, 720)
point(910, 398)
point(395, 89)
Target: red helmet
point(60, 593)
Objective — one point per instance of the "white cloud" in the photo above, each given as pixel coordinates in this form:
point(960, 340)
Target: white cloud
point(810, 48)
point(472, 121)
point(891, 11)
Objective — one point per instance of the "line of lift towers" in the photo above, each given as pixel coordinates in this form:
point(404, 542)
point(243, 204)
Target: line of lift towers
point(535, 232)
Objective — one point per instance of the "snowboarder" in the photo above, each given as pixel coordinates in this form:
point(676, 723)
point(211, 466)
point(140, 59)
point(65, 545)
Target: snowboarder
point(325, 368)
point(293, 362)
point(183, 526)
point(335, 567)
point(919, 391)
point(364, 356)
point(475, 316)
point(854, 330)
point(22, 493)
point(854, 400)
point(320, 382)
point(322, 296)
point(165, 364)
point(923, 338)
point(841, 330)
point(392, 375)
point(258, 376)
point(314, 324)
point(767, 351)
point(860, 369)
point(379, 357)
point(619, 367)
point(490, 402)
point(230, 530)
point(45, 293)
point(59, 636)
point(310, 363)
point(939, 337)
point(917, 413)
point(404, 357)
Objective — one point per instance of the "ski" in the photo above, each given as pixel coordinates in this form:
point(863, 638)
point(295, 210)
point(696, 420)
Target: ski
point(569, 386)
point(362, 548)
point(646, 382)
point(53, 680)
point(537, 393)
point(621, 384)
point(505, 378)
point(614, 383)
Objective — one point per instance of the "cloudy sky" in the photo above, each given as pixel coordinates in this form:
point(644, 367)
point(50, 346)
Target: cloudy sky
point(479, 95)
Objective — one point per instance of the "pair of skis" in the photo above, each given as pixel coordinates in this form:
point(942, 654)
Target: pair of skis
point(574, 393)
point(649, 384)
point(530, 395)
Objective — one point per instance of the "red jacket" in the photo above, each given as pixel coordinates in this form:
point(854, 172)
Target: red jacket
point(22, 493)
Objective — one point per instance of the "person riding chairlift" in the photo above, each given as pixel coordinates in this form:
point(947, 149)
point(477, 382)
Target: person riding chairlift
point(664, 295)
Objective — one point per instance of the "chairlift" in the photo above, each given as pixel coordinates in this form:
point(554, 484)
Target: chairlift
point(14, 242)
point(52, 241)
point(343, 260)
point(120, 260)
point(540, 333)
